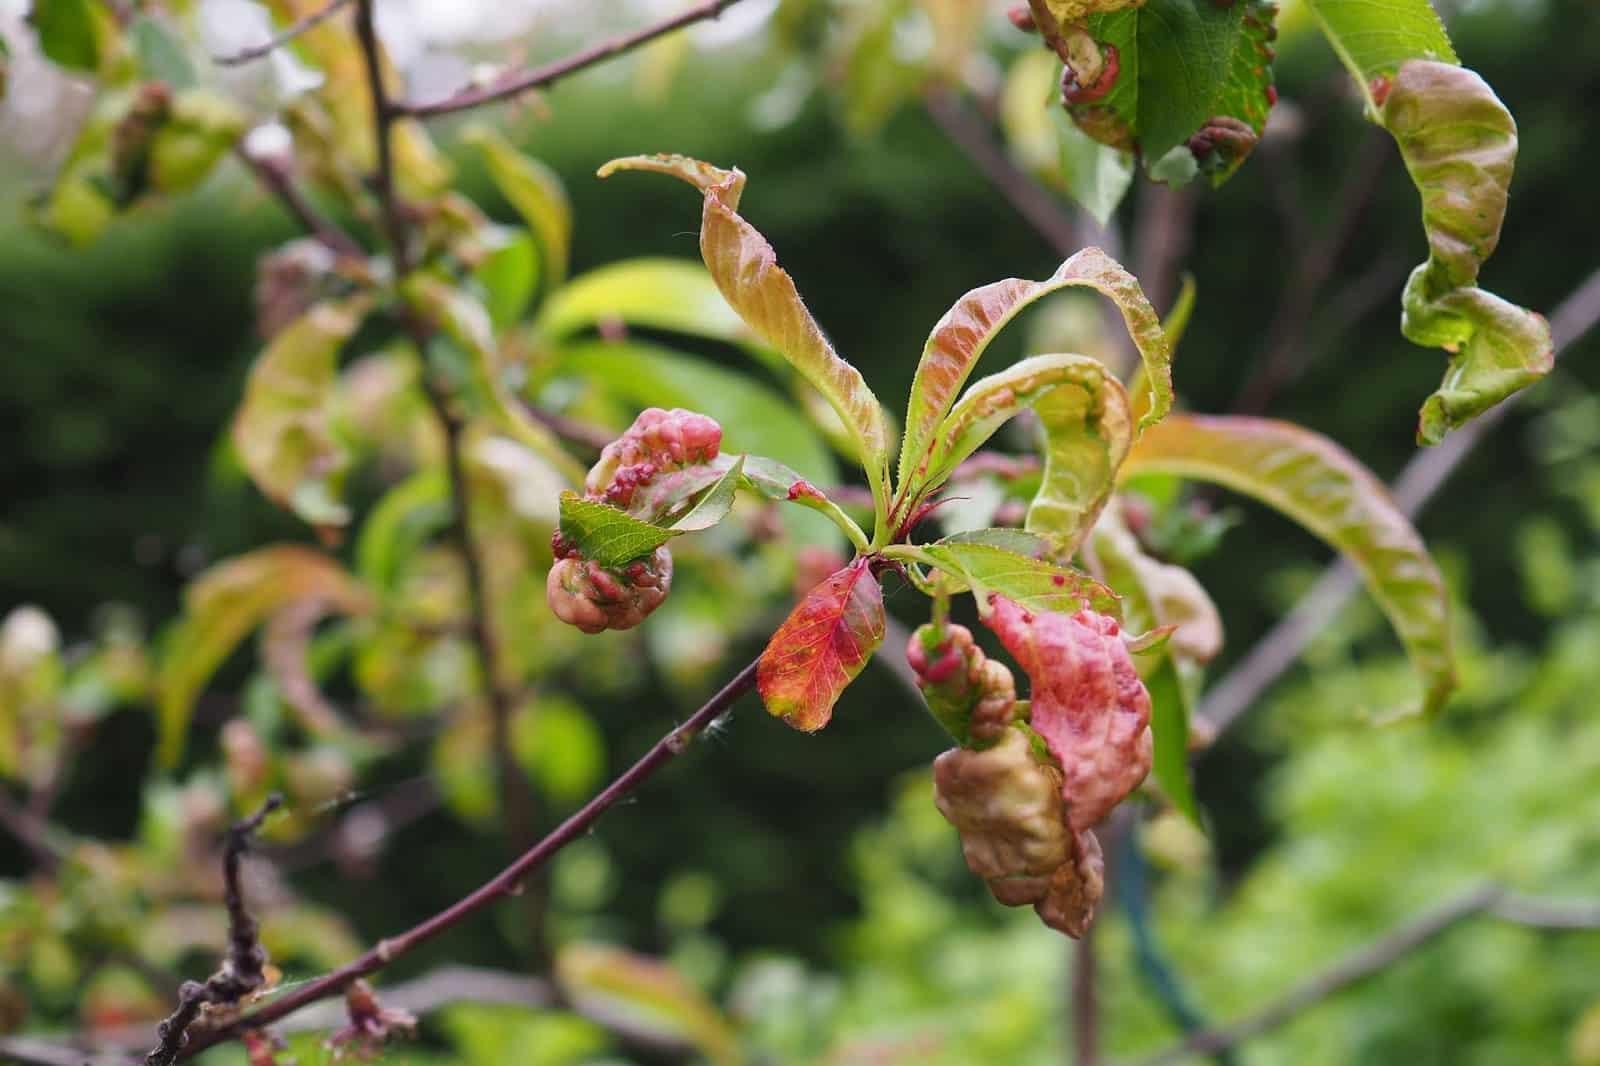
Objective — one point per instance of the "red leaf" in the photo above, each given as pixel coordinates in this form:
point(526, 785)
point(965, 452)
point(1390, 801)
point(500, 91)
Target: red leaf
point(821, 647)
point(1087, 703)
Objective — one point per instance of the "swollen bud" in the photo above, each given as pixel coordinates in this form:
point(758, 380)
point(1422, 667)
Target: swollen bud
point(657, 441)
point(594, 598)
point(970, 694)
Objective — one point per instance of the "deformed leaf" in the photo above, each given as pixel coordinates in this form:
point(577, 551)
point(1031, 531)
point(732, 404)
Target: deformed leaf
point(1036, 583)
point(961, 336)
point(535, 191)
point(1048, 143)
point(1372, 40)
point(1460, 144)
point(284, 429)
point(1322, 487)
point(746, 270)
point(1084, 412)
point(224, 604)
point(821, 647)
point(644, 996)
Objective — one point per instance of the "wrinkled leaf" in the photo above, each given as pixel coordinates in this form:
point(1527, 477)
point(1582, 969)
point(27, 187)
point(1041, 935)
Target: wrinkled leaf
point(962, 335)
point(644, 996)
point(1181, 65)
point(1047, 143)
point(1460, 144)
point(534, 191)
point(821, 647)
point(224, 604)
point(746, 270)
point(1034, 582)
point(284, 429)
point(1087, 427)
point(1319, 485)
point(1372, 40)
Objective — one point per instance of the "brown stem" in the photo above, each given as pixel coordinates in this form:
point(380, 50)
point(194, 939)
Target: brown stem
point(274, 175)
point(31, 831)
point(1085, 1012)
point(515, 84)
point(278, 40)
point(501, 885)
point(383, 116)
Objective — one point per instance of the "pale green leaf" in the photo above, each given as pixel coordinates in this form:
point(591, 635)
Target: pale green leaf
point(161, 52)
point(560, 746)
point(1036, 583)
point(1373, 39)
point(714, 505)
point(509, 274)
point(665, 294)
point(1320, 486)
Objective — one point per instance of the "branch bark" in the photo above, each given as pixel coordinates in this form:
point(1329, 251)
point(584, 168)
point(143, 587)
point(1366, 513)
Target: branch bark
point(515, 84)
point(278, 40)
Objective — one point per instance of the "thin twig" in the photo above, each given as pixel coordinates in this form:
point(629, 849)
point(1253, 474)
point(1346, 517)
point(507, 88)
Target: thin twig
point(1421, 478)
point(275, 176)
point(278, 40)
point(1030, 199)
point(504, 884)
point(1085, 1006)
point(31, 831)
point(383, 116)
point(515, 84)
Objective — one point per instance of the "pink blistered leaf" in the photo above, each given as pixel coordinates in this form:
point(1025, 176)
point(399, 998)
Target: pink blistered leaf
point(821, 647)
point(1088, 703)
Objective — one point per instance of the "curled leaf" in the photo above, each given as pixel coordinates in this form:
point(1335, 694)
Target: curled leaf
point(1084, 412)
point(1460, 144)
point(821, 647)
point(970, 694)
point(224, 604)
point(961, 336)
point(1086, 701)
point(284, 429)
point(1322, 487)
point(746, 271)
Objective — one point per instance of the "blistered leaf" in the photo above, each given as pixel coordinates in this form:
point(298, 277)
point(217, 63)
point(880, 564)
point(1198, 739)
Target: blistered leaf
point(467, 324)
point(1034, 582)
point(1322, 487)
point(1459, 143)
point(821, 647)
point(225, 603)
point(1087, 427)
point(746, 271)
point(534, 191)
point(644, 996)
point(284, 429)
point(1189, 75)
point(1046, 142)
point(1086, 701)
point(971, 695)
point(1372, 40)
point(962, 335)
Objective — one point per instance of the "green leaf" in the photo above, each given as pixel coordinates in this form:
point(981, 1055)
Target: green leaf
point(535, 191)
point(161, 53)
point(69, 32)
point(606, 534)
point(647, 997)
point(664, 294)
point(1171, 701)
point(561, 748)
point(1372, 40)
point(1181, 65)
point(1087, 426)
point(407, 517)
point(1034, 582)
point(224, 604)
point(714, 506)
point(821, 647)
point(466, 324)
point(746, 271)
point(509, 274)
point(1460, 144)
point(963, 334)
point(1319, 485)
point(284, 429)
point(1047, 143)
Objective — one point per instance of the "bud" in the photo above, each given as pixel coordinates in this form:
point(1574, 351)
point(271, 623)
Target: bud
point(593, 598)
point(970, 694)
point(1086, 702)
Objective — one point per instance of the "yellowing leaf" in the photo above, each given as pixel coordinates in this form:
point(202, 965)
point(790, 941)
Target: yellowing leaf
point(1035, 583)
point(746, 271)
point(1460, 144)
point(644, 995)
point(821, 647)
point(1087, 426)
point(283, 431)
point(536, 193)
point(961, 336)
point(224, 604)
point(1322, 487)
